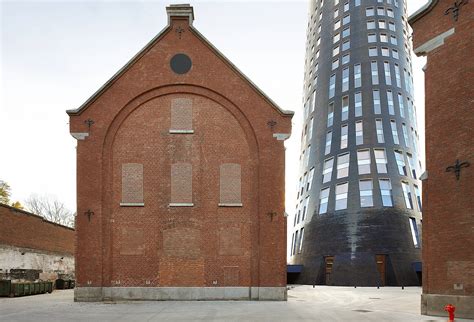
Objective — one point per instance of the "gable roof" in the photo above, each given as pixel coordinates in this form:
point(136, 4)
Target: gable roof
point(422, 11)
point(148, 46)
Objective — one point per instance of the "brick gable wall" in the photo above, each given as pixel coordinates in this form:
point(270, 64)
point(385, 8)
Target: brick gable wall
point(200, 245)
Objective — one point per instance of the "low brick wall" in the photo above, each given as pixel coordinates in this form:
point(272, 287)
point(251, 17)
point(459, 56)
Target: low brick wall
point(23, 229)
point(33, 248)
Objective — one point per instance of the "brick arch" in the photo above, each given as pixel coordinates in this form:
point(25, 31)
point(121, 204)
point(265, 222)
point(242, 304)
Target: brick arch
point(108, 154)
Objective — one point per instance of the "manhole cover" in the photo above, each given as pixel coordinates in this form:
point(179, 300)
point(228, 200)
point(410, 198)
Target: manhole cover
point(363, 311)
point(374, 298)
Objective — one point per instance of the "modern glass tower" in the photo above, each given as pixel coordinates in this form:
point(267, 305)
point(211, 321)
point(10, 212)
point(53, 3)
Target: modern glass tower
point(358, 213)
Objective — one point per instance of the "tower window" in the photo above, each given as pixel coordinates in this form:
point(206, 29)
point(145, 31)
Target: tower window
point(346, 32)
point(376, 100)
point(327, 170)
point(379, 129)
point(346, 19)
point(407, 195)
point(402, 167)
point(386, 192)
point(391, 109)
point(372, 51)
point(388, 77)
point(323, 200)
point(414, 232)
point(358, 104)
point(328, 142)
point(345, 79)
point(345, 108)
point(366, 193)
point(381, 160)
point(393, 125)
point(357, 75)
point(375, 73)
point(343, 165)
point(330, 114)
point(359, 133)
point(341, 196)
point(344, 137)
point(363, 161)
point(332, 85)
point(418, 197)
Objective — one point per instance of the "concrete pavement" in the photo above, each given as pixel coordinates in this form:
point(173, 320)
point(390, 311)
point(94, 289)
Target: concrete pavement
point(305, 303)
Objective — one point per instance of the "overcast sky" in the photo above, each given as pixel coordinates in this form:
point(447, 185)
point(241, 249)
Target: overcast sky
point(54, 55)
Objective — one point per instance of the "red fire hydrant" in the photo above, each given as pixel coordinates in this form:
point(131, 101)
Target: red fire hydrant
point(450, 309)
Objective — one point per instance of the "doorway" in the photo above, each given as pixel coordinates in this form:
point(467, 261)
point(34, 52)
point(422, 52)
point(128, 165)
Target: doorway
point(381, 264)
point(329, 266)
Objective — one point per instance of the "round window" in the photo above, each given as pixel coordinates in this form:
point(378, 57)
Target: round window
point(180, 63)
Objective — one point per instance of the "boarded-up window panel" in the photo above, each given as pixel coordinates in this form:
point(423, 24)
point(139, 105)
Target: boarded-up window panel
point(181, 183)
point(182, 114)
point(132, 183)
point(132, 241)
point(230, 184)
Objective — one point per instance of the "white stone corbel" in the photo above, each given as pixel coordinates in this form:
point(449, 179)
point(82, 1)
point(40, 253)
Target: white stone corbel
point(281, 136)
point(80, 135)
point(424, 176)
point(433, 43)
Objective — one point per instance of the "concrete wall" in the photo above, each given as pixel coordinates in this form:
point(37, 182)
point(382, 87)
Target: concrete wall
point(18, 262)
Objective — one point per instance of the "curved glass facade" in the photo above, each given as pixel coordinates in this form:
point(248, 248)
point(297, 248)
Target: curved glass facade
point(358, 214)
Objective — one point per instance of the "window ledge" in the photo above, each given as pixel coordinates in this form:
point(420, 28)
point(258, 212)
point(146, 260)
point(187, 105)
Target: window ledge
point(230, 205)
point(181, 204)
point(181, 131)
point(132, 204)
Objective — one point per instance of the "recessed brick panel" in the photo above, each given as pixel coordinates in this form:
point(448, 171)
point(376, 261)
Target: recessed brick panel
point(132, 183)
point(182, 272)
point(230, 183)
point(231, 276)
point(132, 241)
point(181, 183)
point(230, 241)
point(181, 114)
point(182, 242)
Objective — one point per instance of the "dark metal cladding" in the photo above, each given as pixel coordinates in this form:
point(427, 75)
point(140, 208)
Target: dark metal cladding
point(359, 246)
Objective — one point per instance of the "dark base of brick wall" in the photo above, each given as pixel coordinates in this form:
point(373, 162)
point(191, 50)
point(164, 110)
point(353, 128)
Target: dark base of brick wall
point(360, 269)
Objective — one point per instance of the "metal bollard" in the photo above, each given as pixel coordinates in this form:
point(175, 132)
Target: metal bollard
point(450, 309)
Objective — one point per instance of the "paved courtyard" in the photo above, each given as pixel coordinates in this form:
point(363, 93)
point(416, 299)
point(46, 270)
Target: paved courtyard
point(305, 303)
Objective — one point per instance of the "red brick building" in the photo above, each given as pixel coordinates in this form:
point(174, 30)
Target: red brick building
point(444, 32)
point(180, 178)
